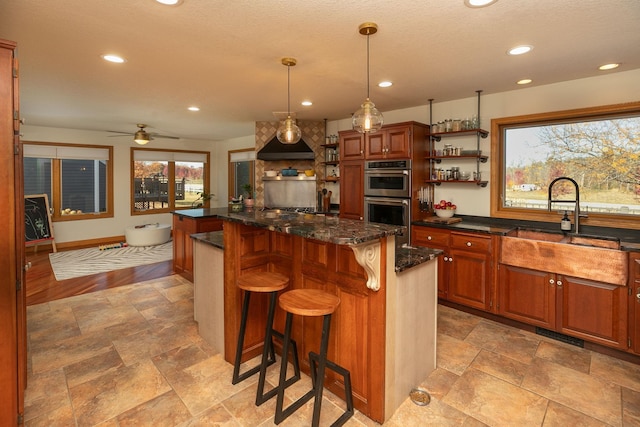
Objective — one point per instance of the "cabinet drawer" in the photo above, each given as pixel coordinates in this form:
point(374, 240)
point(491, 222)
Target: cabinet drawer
point(471, 242)
point(424, 236)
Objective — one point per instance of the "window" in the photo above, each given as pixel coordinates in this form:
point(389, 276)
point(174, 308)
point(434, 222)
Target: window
point(599, 148)
point(241, 171)
point(168, 180)
point(77, 179)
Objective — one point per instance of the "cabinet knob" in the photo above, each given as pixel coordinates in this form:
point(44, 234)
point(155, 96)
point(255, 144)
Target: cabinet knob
point(551, 281)
point(428, 237)
point(469, 244)
point(559, 282)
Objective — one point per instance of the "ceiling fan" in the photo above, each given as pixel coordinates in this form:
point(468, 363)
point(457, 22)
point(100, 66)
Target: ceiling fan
point(141, 136)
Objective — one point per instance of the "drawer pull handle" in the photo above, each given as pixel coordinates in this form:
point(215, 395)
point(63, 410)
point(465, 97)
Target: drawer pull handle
point(428, 237)
point(468, 243)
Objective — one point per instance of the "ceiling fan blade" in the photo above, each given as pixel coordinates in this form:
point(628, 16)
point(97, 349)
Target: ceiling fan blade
point(163, 136)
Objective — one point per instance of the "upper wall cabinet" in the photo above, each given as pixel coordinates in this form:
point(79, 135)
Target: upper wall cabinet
point(389, 143)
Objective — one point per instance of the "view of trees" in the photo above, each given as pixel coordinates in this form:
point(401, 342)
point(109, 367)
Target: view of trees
point(603, 156)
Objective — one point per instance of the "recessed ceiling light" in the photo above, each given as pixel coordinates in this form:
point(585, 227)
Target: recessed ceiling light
point(519, 50)
point(385, 84)
point(608, 66)
point(193, 108)
point(114, 58)
point(306, 103)
point(170, 2)
point(478, 3)
point(524, 81)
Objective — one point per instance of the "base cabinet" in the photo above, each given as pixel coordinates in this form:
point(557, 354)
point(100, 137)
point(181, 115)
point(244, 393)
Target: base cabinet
point(465, 270)
point(634, 301)
point(586, 309)
point(183, 228)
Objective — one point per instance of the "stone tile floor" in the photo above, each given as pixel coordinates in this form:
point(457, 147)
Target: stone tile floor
point(132, 356)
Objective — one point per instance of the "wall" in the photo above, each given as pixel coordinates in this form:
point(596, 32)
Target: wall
point(72, 231)
point(608, 89)
point(603, 90)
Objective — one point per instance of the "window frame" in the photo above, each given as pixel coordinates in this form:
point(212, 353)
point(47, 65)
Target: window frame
point(498, 168)
point(56, 189)
point(171, 206)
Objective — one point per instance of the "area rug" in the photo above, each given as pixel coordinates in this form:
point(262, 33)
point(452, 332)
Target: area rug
point(83, 262)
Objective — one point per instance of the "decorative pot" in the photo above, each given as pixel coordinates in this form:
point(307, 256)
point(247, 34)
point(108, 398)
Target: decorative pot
point(249, 202)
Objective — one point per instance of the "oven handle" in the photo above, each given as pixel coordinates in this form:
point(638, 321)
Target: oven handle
point(388, 201)
point(385, 172)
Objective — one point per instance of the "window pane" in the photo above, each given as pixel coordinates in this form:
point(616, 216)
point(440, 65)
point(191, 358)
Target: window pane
point(242, 176)
point(150, 185)
point(37, 177)
point(189, 182)
point(84, 186)
point(602, 156)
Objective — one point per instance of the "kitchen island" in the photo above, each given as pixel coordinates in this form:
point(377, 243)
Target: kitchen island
point(384, 331)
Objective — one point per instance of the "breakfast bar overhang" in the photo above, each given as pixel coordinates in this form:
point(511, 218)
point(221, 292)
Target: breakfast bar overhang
point(384, 331)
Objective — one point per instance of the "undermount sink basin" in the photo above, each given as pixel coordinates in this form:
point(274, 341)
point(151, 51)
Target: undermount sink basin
point(586, 257)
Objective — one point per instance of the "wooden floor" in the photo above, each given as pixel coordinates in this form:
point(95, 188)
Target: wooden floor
point(42, 286)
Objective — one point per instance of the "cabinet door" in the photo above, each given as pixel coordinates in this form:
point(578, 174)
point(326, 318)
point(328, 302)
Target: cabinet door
point(470, 279)
point(438, 239)
point(594, 311)
point(398, 142)
point(351, 146)
point(375, 145)
point(528, 296)
point(352, 190)
point(634, 300)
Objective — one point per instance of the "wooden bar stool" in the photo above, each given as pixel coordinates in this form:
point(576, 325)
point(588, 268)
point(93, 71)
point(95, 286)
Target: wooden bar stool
point(272, 283)
point(311, 302)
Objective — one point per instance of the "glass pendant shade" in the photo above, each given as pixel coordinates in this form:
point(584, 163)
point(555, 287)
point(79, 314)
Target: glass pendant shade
point(367, 119)
point(289, 132)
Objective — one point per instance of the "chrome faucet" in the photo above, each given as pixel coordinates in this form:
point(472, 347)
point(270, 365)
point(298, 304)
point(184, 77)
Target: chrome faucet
point(577, 214)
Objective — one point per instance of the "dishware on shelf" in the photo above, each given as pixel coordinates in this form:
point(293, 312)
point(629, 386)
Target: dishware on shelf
point(465, 175)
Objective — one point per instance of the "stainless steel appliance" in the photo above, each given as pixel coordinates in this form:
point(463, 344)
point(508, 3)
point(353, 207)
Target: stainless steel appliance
point(388, 178)
point(389, 210)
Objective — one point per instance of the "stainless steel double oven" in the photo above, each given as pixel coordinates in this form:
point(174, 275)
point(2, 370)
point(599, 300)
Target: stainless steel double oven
point(387, 190)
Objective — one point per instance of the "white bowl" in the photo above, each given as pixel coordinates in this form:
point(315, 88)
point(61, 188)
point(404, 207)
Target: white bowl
point(445, 213)
point(270, 173)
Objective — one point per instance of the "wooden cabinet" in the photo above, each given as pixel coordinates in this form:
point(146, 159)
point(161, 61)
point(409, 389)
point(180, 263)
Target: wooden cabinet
point(407, 140)
point(470, 270)
point(593, 311)
point(634, 301)
point(389, 143)
point(465, 270)
point(183, 228)
point(436, 238)
point(352, 190)
point(351, 146)
point(13, 347)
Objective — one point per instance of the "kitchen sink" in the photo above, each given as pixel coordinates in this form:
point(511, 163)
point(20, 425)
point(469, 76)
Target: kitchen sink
point(572, 239)
point(588, 257)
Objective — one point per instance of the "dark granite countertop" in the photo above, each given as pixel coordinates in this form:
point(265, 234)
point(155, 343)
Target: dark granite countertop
point(213, 238)
point(406, 257)
point(629, 239)
point(313, 226)
point(411, 256)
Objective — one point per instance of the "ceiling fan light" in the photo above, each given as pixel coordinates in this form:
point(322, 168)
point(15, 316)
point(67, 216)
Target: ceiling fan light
point(367, 119)
point(289, 132)
point(141, 137)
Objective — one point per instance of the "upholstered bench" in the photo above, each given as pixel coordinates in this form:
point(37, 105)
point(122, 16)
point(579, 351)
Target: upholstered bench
point(148, 234)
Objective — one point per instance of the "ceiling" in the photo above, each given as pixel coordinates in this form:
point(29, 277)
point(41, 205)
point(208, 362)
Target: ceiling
point(225, 57)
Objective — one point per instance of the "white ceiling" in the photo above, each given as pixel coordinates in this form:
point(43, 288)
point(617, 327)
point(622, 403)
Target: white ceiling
point(224, 56)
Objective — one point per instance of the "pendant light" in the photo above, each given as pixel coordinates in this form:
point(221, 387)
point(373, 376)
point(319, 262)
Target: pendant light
point(289, 132)
point(367, 119)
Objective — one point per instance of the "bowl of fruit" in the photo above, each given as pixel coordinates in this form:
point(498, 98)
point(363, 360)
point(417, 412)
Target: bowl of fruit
point(444, 209)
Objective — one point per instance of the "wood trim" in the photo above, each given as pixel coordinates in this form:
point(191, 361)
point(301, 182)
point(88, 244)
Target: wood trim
point(497, 160)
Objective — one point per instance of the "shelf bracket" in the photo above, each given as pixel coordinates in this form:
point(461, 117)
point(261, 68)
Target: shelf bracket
point(368, 256)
